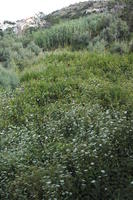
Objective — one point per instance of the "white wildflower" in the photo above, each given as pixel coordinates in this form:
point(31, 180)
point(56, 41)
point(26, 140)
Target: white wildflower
point(93, 181)
point(92, 163)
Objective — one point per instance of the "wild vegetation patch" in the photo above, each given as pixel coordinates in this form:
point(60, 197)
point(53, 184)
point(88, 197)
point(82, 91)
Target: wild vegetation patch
point(66, 110)
point(69, 128)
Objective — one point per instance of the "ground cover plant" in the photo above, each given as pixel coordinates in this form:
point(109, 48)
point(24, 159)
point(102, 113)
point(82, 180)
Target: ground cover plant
point(69, 129)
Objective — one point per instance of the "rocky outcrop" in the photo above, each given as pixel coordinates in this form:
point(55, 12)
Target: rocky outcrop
point(21, 25)
point(79, 9)
point(31, 22)
point(71, 12)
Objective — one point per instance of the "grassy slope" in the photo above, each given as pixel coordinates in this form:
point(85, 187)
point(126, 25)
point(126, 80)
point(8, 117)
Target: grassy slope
point(68, 132)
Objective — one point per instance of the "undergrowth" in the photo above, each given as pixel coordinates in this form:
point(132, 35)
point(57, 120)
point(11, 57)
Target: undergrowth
point(67, 130)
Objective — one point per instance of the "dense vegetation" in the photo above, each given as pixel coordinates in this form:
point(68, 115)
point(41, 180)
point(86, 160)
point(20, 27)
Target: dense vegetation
point(95, 31)
point(68, 132)
point(66, 111)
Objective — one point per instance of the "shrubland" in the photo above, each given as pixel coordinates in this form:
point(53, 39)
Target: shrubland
point(96, 32)
point(66, 111)
point(68, 132)
point(79, 33)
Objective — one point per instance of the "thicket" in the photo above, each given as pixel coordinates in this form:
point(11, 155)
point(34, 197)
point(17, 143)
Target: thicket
point(14, 49)
point(69, 129)
point(84, 32)
point(97, 32)
point(15, 55)
point(126, 13)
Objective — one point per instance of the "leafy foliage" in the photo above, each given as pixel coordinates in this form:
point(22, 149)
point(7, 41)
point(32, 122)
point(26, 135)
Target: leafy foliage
point(13, 54)
point(68, 133)
point(8, 78)
point(80, 32)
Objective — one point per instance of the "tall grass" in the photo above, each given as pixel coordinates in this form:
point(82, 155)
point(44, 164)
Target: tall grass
point(82, 31)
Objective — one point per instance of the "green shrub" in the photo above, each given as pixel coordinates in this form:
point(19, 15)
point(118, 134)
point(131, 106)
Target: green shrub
point(78, 33)
point(68, 132)
point(34, 48)
point(16, 46)
point(68, 153)
point(131, 46)
point(117, 30)
point(80, 41)
point(8, 78)
point(119, 47)
point(97, 45)
point(23, 57)
point(5, 54)
point(14, 53)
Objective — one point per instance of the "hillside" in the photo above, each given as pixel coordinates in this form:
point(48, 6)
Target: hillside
point(69, 128)
point(41, 20)
point(66, 107)
point(78, 10)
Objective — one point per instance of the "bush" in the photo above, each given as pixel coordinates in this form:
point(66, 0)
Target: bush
point(68, 132)
point(34, 48)
point(8, 78)
point(131, 46)
point(72, 151)
point(80, 41)
point(12, 52)
point(117, 30)
point(23, 57)
point(5, 54)
point(97, 45)
point(119, 47)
